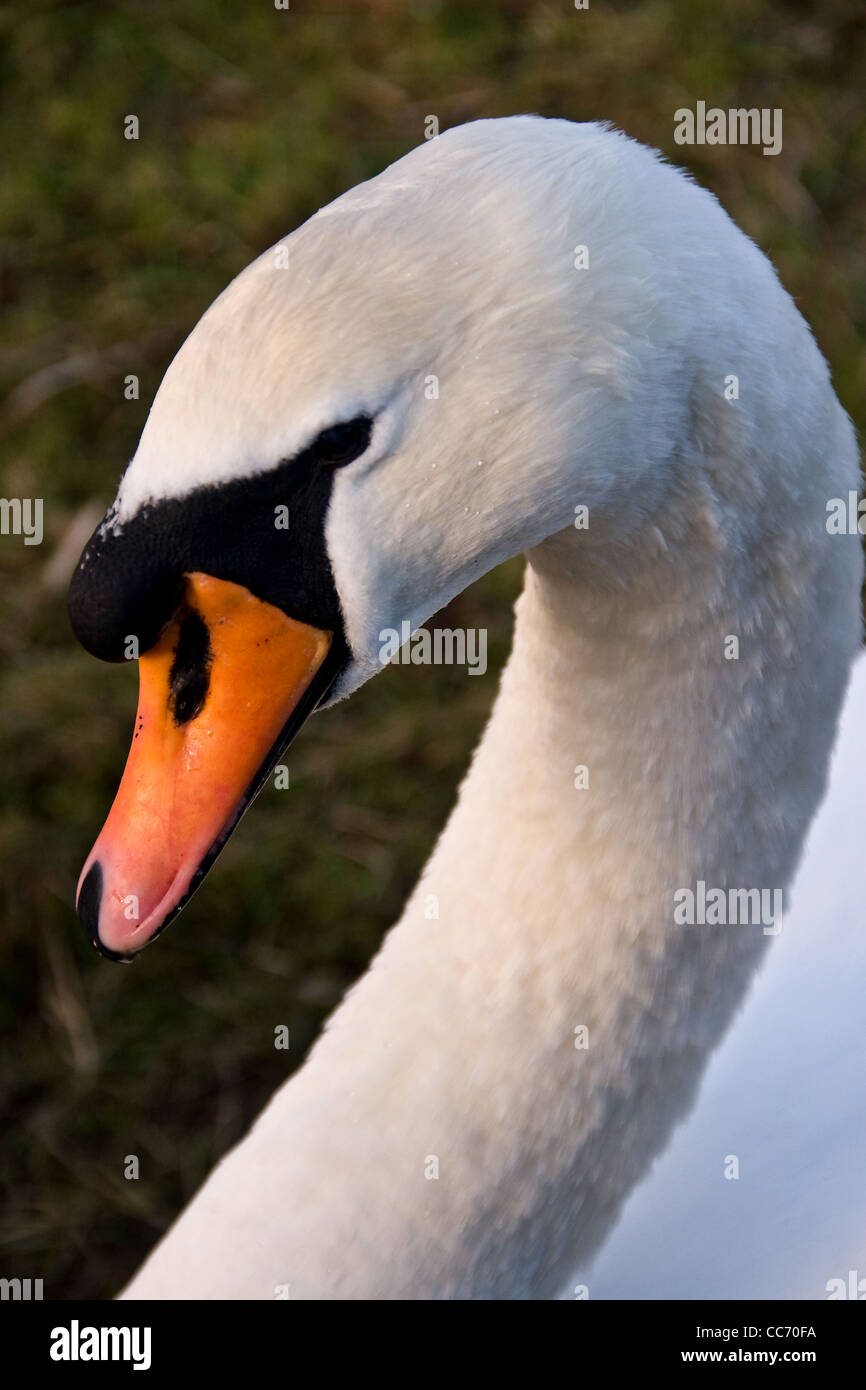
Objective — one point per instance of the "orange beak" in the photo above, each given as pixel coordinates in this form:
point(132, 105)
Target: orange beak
point(221, 694)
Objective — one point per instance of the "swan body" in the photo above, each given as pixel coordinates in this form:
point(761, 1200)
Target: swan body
point(782, 1095)
point(450, 1135)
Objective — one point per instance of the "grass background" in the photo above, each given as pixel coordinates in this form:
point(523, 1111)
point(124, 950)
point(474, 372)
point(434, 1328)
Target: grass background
point(250, 119)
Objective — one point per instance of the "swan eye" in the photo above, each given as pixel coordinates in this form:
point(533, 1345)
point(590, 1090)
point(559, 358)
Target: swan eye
point(342, 443)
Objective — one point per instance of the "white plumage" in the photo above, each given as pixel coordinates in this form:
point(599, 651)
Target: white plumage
point(783, 1094)
point(599, 385)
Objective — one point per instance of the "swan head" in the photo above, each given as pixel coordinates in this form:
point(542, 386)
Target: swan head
point(418, 383)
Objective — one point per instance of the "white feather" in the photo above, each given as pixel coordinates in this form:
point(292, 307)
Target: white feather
point(603, 387)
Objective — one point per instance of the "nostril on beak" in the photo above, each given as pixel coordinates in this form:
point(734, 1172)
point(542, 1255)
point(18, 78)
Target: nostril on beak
point(189, 680)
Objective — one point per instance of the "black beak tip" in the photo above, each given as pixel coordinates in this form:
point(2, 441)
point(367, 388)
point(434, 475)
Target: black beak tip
point(89, 900)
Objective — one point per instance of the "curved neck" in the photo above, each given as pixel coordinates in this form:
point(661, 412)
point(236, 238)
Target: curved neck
point(485, 1098)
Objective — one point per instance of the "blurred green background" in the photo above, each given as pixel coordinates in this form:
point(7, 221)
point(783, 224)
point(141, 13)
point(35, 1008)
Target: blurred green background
point(250, 119)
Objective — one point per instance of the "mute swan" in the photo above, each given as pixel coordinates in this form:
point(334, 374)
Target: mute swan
point(521, 319)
